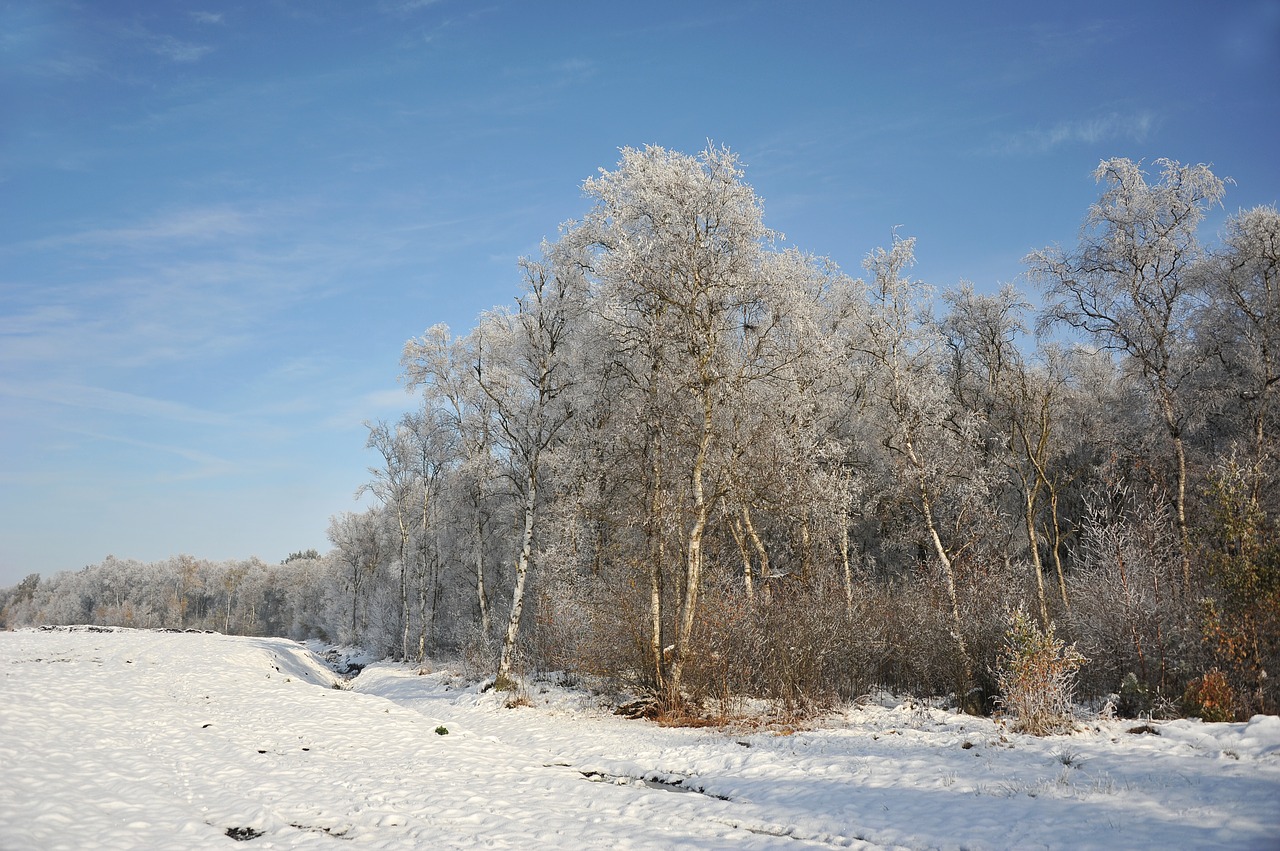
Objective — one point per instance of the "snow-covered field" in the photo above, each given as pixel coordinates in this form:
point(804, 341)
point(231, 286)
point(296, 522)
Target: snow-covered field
point(130, 739)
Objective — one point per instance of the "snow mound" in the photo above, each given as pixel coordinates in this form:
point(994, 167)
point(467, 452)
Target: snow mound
point(1261, 736)
point(1258, 738)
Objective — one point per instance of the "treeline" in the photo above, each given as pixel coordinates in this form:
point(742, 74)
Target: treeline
point(298, 599)
point(713, 467)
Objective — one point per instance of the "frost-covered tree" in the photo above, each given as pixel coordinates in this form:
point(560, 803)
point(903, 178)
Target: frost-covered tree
point(528, 384)
point(929, 438)
point(393, 485)
point(677, 251)
point(1240, 324)
point(1023, 399)
point(1129, 285)
point(990, 378)
point(358, 545)
point(434, 450)
point(446, 369)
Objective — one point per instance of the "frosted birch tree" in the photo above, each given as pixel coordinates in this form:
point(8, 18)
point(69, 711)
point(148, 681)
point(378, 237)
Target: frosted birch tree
point(992, 376)
point(393, 485)
point(433, 447)
point(1241, 323)
point(1129, 285)
point(522, 368)
point(445, 368)
point(678, 256)
point(928, 440)
point(356, 539)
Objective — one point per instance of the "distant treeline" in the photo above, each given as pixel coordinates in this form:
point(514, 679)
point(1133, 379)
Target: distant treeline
point(233, 597)
point(714, 467)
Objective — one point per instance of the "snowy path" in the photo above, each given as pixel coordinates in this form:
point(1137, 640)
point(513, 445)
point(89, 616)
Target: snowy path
point(158, 740)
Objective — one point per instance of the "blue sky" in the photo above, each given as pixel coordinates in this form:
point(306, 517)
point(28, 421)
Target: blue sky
point(219, 222)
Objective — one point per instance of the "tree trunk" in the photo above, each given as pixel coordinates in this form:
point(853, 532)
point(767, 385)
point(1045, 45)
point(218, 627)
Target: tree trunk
point(739, 538)
point(848, 570)
point(507, 662)
point(355, 600)
point(754, 537)
point(482, 595)
point(422, 622)
point(404, 587)
point(437, 591)
point(1180, 496)
point(1180, 455)
point(1056, 548)
point(926, 511)
point(1033, 543)
point(950, 576)
point(426, 579)
point(693, 559)
point(656, 559)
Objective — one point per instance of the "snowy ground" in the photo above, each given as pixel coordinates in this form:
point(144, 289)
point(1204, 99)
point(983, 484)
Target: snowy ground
point(131, 739)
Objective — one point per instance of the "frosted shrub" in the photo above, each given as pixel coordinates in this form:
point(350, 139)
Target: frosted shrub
point(1126, 612)
point(479, 654)
point(1036, 675)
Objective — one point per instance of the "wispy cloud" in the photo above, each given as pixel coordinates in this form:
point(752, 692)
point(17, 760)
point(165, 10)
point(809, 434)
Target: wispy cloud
point(183, 289)
point(552, 75)
point(19, 325)
point(66, 67)
point(207, 17)
point(576, 67)
point(1134, 127)
point(349, 412)
point(177, 50)
point(202, 465)
point(33, 42)
point(406, 7)
point(112, 401)
point(176, 287)
point(179, 226)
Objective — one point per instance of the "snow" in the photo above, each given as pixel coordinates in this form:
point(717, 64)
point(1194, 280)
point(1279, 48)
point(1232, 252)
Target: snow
point(134, 739)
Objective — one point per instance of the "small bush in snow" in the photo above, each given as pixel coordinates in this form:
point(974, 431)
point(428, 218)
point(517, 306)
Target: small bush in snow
point(1134, 699)
point(1036, 675)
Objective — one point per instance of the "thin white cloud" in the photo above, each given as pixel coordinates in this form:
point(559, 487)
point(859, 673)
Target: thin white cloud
point(203, 464)
point(112, 401)
point(198, 224)
point(195, 224)
point(191, 289)
point(1134, 127)
point(207, 17)
point(67, 67)
point(406, 7)
point(177, 50)
point(576, 66)
point(349, 412)
point(37, 321)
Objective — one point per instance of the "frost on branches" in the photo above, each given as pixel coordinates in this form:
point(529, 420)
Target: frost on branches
point(715, 469)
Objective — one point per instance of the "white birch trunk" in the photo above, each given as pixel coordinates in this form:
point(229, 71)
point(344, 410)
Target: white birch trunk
point(507, 662)
point(693, 561)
